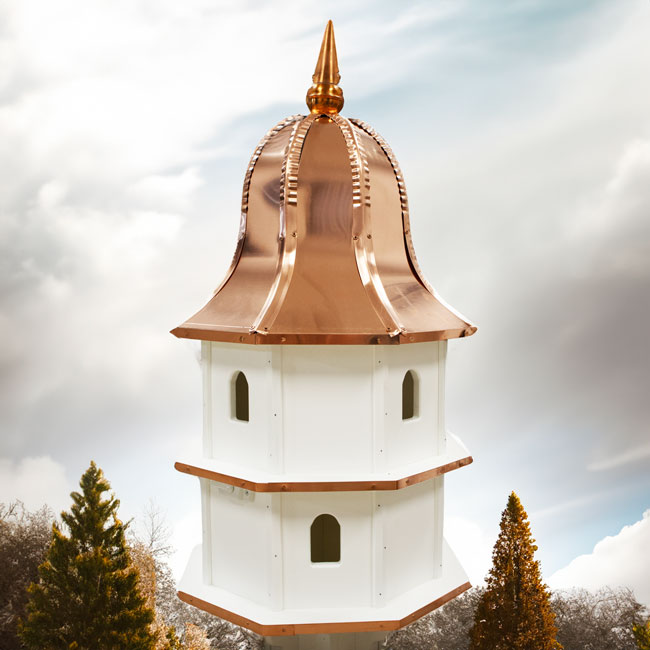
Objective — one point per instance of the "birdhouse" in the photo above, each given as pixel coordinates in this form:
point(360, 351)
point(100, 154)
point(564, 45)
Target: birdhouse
point(323, 360)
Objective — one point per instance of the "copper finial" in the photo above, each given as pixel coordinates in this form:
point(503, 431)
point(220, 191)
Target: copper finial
point(325, 96)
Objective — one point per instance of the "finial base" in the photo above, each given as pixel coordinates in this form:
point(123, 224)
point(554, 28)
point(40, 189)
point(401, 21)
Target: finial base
point(325, 98)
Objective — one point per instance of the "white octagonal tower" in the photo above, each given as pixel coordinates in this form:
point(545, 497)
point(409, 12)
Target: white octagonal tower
point(323, 355)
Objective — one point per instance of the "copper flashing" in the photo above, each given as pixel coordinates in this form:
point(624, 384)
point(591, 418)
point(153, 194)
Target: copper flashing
point(291, 629)
point(322, 486)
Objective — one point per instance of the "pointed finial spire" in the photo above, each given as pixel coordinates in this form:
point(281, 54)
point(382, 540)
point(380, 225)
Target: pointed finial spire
point(325, 96)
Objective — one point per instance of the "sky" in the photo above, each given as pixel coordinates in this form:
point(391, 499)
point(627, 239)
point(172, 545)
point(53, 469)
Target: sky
point(523, 131)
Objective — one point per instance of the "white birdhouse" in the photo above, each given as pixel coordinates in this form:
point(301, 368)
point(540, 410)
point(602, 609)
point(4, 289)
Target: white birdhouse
point(323, 355)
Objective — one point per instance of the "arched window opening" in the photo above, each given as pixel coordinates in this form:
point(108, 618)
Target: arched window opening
point(240, 397)
point(409, 395)
point(325, 539)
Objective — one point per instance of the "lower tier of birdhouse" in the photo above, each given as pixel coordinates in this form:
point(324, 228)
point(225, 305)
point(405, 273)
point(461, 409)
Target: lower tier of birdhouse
point(322, 562)
point(393, 615)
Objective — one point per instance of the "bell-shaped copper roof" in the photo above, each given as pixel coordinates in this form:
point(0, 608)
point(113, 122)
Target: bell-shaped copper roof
point(324, 254)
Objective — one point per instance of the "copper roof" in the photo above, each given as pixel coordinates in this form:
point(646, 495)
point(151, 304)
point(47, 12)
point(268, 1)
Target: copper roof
point(324, 254)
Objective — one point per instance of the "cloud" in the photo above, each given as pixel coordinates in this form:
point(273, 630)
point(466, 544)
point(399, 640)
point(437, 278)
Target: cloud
point(36, 482)
point(564, 506)
point(622, 559)
point(186, 535)
point(626, 457)
point(472, 546)
point(172, 189)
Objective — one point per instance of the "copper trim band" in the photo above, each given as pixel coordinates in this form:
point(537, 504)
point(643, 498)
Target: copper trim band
point(252, 338)
point(323, 486)
point(292, 629)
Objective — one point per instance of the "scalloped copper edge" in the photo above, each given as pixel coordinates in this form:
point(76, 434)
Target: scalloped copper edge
point(292, 629)
point(323, 486)
point(241, 235)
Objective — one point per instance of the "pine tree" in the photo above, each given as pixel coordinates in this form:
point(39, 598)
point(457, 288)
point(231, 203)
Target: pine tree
point(87, 596)
point(642, 636)
point(514, 612)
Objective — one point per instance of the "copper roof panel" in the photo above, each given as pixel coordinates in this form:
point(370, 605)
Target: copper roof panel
point(325, 294)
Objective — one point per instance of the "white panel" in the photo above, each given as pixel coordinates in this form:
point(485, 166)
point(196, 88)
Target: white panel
point(276, 586)
point(242, 443)
point(379, 380)
point(409, 519)
point(327, 408)
point(439, 513)
point(206, 372)
point(338, 584)
point(206, 532)
point(276, 431)
point(241, 529)
point(407, 441)
point(378, 550)
point(442, 369)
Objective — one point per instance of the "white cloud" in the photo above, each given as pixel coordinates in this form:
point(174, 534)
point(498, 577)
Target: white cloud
point(102, 239)
point(186, 535)
point(472, 546)
point(51, 194)
point(622, 559)
point(564, 506)
point(632, 169)
point(174, 190)
point(626, 457)
point(124, 91)
point(35, 482)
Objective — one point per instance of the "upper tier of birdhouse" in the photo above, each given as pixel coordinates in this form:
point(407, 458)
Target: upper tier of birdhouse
point(324, 254)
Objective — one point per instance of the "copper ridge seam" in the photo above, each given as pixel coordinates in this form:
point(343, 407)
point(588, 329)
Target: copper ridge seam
point(362, 235)
point(401, 186)
point(258, 152)
point(288, 237)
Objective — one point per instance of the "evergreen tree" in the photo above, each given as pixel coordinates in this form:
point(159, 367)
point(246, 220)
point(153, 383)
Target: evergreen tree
point(87, 596)
point(514, 612)
point(642, 636)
